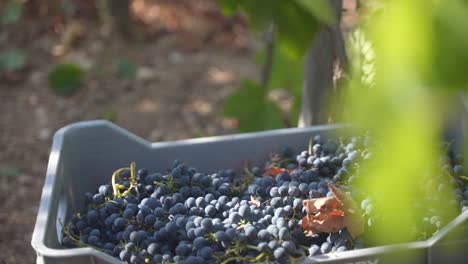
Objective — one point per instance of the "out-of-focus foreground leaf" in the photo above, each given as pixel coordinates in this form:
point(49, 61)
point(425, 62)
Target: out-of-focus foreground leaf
point(450, 42)
point(320, 8)
point(402, 111)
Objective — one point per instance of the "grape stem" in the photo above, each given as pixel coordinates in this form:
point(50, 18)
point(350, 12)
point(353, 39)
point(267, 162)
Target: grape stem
point(74, 239)
point(310, 146)
point(116, 177)
point(247, 171)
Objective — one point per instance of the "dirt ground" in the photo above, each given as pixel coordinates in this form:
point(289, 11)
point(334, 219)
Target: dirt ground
point(180, 82)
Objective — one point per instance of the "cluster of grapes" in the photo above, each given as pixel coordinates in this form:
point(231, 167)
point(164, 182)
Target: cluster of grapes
point(187, 216)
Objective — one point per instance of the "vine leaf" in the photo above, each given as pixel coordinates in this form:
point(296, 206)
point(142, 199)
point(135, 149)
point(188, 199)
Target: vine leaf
point(11, 12)
point(253, 109)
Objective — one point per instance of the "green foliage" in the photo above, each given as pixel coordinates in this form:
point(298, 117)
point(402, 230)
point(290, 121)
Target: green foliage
point(286, 73)
point(320, 9)
point(420, 52)
point(126, 69)
point(296, 27)
point(13, 60)
point(228, 7)
point(296, 20)
point(360, 49)
point(450, 45)
point(11, 12)
point(67, 7)
point(9, 172)
point(66, 79)
point(252, 108)
point(283, 77)
point(110, 115)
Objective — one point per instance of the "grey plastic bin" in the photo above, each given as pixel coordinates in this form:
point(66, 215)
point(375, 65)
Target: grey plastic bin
point(85, 154)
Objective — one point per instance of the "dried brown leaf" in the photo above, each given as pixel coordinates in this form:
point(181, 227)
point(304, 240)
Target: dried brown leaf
point(331, 214)
point(272, 171)
point(353, 218)
point(328, 222)
point(313, 206)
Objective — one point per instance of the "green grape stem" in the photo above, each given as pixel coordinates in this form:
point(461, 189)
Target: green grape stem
point(116, 177)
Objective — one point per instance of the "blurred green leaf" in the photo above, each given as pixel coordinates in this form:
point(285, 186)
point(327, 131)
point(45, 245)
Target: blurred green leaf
point(295, 23)
point(11, 12)
point(290, 77)
point(253, 110)
point(67, 7)
point(110, 115)
point(126, 69)
point(319, 8)
point(9, 172)
point(66, 79)
point(13, 60)
point(450, 45)
point(228, 7)
point(260, 13)
point(404, 114)
point(296, 28)
point(286, 73)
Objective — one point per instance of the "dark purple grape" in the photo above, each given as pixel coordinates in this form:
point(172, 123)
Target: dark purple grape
point(67, 242)
point(119, 223)
point(341, 249)
point(244, 211)
point(183, 249)
point(210, 210)
point(206, 253)
point(125, 255)
point(199, 242)
point(279, 253)
point(283, 233)
point(150, 219)
point(314, 250)
point(326, 247)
